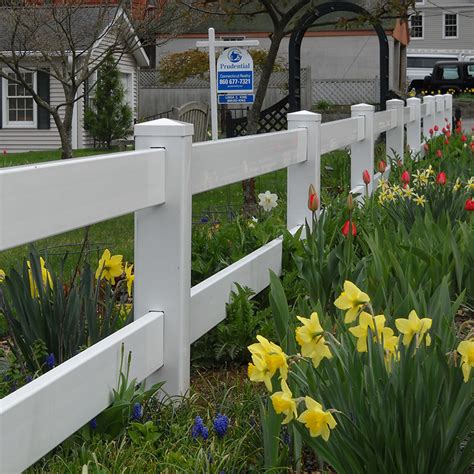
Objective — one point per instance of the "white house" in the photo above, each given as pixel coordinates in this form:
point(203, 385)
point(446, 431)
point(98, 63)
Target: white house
point(25, 126)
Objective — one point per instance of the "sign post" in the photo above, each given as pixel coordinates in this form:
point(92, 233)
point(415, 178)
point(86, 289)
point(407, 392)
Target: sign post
point(236, 77)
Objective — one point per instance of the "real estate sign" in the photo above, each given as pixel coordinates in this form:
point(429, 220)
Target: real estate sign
point(235, 72)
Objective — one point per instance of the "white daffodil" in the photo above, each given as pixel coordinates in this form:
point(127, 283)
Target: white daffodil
point(268, 200)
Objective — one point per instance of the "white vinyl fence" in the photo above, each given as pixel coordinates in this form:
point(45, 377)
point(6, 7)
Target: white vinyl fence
point(157, 183)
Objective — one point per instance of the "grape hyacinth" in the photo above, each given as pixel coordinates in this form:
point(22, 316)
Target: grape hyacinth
point(199, 429)
point(136, 412)
point(221, 423)
point(50, 361)
point(93, 423)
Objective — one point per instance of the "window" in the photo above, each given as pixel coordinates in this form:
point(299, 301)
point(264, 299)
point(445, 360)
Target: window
point(470, 70)
point(416, 26)
point(450, 73)
point(450, 25)
point(426, 62)
point(18, 105)
point(127, 83)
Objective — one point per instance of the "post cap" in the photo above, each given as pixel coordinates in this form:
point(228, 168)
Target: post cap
point(163, 128)
point(393, 103)
point(362, 108)
point(304, 116)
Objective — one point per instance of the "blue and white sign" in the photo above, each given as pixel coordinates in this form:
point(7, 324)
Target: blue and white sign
point(236, 98)
point(235, 72)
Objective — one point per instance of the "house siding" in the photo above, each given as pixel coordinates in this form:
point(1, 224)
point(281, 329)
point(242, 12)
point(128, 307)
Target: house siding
point(26, 139)
point(433, 27)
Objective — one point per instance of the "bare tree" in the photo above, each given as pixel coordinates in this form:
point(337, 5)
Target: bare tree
point(69, 42)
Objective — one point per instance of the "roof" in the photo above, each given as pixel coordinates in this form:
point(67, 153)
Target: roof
point(35, 31)
point(261, 23)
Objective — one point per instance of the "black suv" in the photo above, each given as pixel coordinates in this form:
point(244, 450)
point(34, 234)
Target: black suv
point(449, 76)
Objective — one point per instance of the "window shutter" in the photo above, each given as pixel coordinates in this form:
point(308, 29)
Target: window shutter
point(44, 121)
point(1, 102)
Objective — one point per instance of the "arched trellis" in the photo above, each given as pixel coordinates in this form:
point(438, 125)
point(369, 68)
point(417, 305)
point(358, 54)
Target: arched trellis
point(297, 38)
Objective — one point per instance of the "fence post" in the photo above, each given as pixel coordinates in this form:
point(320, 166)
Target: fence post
point(448, 107)
point(395, 145)
point(301, 175)
point(414, 128)
point(439, 115)
point(163, 250)
point(429, 119)
point(362, 152)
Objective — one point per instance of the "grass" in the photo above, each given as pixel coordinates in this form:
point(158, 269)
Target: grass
point(240, 450)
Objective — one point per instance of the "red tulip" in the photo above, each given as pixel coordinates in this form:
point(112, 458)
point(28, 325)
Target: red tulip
point(463, 138)
point(469, 206)
point(436, 128)
point(448, 126)
point(443, 130)
point(405, 177)
point(313, 201)
point(439, 153)
point(446, 142)
point(382, 166)
point(448, 134)
point(426, 147)
point(431, 131)
point(345, 229)
point(366, 177)
point(441, 178)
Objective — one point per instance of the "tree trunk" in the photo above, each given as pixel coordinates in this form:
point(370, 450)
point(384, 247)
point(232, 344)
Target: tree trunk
point(65, 130)
point(253, 116)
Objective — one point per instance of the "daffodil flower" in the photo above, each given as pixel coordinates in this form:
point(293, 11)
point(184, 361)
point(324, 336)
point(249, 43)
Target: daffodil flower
point(129, 278)
point(408, 192)
point(310, 338)
point(351, 299)
point(318, 421)
point(283, 403)
point(267, 200)
point(267, 358)
point(366, 321)
point(470, 184)
point(457, 185)
point(2, 275)
point(45, 277)
point(420, 200)
point(110, 267)
point(466, 349)
point(414, 326)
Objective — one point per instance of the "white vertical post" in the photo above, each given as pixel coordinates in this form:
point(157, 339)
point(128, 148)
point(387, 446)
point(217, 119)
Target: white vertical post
point(429, 119)
point(163, 250)
point(448, 106)
point(213, 83)
point(362, 152)
point(301, 175)
point(414, 128)
point(395, 145)
point(439, 115)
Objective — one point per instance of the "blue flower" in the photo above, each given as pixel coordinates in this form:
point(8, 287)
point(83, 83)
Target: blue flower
point(50, 361)
point(199, 429)
point(221, 423)
point(136, 412)
point(28, 378)
point(93, 423)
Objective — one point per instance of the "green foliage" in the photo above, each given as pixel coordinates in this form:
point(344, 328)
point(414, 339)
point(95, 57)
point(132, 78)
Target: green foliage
point(61, 317)
point(177, 67)
point(110, 117)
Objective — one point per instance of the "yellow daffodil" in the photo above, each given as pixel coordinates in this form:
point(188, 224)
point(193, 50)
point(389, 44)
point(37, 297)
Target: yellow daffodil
point(407, 192)
point(390, 346)
point(351, 299)
point(457, 185)
point(397, 190)
point(283, 403)
point(383, 183)
point(429, 171)
point(414, 326)
point(310, 338)
point(466, 349)
point(267, 358)
point(391, 196)
point(110, 267)
point(2, 275)
point(361, 331)
point(470, 184)
point(420, 200)
point(129, 278)
point(318, 421)
point(45, 277)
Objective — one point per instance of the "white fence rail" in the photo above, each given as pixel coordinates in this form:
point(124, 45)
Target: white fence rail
point(158, 181)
